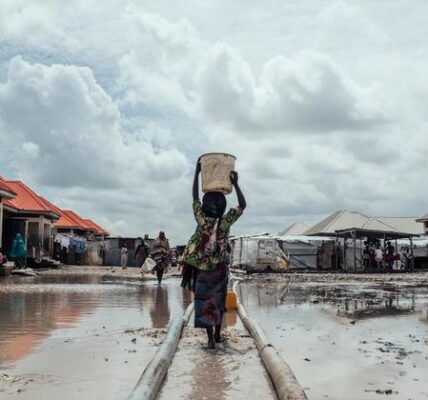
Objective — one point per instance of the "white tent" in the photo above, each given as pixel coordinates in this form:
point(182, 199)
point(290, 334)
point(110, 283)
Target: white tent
point(276, 253)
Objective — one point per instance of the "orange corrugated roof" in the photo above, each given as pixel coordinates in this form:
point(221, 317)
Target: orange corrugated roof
point(70, 219)
point(99, 229)
point(5, 188)
point(77, 219)
point(27, 200)
point(64, 221)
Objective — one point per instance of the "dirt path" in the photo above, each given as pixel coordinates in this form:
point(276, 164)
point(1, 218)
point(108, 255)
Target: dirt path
point(232, 371)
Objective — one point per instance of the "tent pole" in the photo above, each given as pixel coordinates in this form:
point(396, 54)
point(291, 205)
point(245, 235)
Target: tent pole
point(355, 252)
point(344, 254)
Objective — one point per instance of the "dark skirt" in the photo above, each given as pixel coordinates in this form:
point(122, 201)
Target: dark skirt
point(210, 297)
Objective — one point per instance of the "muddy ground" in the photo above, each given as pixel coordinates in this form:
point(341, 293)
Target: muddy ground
point(89, 332)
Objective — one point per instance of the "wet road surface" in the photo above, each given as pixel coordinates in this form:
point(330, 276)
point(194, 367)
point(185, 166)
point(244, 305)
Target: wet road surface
point(80, 336)
point(232, 371)
point(91, 335)
point(347, 340)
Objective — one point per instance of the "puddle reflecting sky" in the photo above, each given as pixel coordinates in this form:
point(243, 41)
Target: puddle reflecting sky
point(344, 340)
point(78, 323)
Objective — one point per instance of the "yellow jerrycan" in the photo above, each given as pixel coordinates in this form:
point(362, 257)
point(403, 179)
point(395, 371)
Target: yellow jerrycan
point(231, 300)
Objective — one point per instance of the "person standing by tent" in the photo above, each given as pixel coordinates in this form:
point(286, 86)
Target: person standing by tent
point(208, 251)
point(161, 253)
point(378, 256)
point(19, 251)
point(123, 256)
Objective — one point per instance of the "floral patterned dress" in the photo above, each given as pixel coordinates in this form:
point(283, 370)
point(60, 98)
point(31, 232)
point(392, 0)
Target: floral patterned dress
point(207, 250)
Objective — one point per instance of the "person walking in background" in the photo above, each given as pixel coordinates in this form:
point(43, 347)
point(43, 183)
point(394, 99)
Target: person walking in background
point(207, 250)
point(141, 253)
point(161, 253)
point(19, 252)
point(123, 256)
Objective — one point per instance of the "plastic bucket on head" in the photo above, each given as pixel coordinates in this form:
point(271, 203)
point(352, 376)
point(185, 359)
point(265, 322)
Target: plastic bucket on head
point(216, 169)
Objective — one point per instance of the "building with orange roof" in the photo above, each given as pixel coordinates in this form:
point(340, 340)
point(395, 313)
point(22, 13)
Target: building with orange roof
point(72, 223)
point(30, 215)
point(99, 230)
point(6, 193)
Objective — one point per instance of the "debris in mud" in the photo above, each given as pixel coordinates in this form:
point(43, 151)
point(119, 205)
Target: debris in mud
point(147, 332)
point(381, 391)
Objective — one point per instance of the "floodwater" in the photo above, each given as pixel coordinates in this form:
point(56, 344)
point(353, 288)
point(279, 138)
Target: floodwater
point(347, 340)
point(88, 336)
point(91, 335)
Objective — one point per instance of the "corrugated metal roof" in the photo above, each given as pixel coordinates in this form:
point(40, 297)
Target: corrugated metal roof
point(343, 219)
point(404, 224)
point(27, 200)
point(423, 218)
point(78, 220)
point(99, 229)
point(5, 190)
point(296, 229)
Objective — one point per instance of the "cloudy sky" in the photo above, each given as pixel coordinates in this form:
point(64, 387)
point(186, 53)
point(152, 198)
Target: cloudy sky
point(105, 106)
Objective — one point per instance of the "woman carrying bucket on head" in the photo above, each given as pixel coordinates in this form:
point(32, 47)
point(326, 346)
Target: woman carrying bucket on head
point(207, 249)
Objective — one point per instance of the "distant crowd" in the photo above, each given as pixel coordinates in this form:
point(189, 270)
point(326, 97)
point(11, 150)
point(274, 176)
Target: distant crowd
point(378, 258)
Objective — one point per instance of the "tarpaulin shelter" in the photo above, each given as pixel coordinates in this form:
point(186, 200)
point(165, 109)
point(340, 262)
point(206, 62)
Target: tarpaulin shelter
point(278, 253)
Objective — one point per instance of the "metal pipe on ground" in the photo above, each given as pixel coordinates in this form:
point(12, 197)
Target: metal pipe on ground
point(153, 375)
point(286, 385)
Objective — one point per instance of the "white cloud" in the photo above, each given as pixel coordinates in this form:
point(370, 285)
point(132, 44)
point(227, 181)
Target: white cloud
point(323, 103)
point(77, 128)
point(179, 69)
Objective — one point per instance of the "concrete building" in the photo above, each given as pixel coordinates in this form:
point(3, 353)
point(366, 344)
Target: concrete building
point(6, 193)
point(30, 215)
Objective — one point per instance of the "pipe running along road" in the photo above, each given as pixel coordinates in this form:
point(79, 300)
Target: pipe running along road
point(286, 385)
point(153, 375)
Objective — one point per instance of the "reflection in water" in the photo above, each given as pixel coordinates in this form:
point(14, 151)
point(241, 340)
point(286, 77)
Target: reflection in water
point(27, 316)
point(350, 301)
point(375, 307)
point(159, 308)
point(350, 356)
point(208, 379)
point(187, 298)
point(31, 309)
